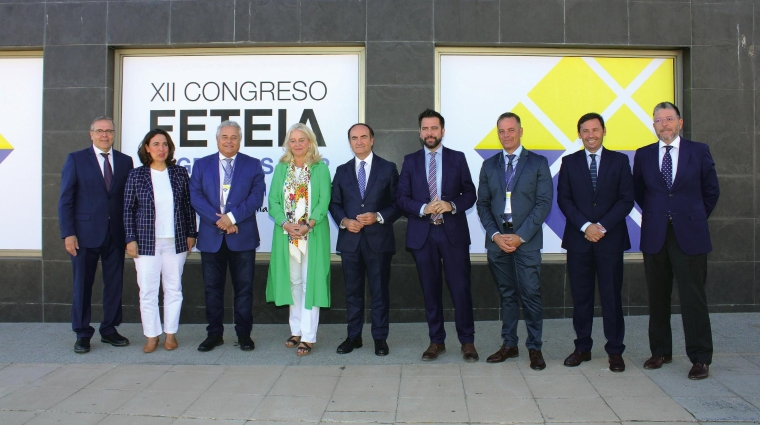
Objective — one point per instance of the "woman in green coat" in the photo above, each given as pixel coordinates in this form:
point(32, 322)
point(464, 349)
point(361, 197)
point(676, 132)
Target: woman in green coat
point(299, 270)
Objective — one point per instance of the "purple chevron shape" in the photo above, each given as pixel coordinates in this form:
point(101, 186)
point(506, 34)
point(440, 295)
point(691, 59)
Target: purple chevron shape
point(4, 154)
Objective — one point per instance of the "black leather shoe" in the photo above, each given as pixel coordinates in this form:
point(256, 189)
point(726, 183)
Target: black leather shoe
point(82, 345)
point(348, 345)
point(469, 353)
point(656, 362)
point(577, 357)
point(211, 342)
point(246, 343)
point(699, 371)
point(616, 363)
point(114, 339)
point(536, 360)
point(381, 347)
point(504, 353)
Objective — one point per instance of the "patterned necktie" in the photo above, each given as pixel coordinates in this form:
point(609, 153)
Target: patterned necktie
point(432, 183)
point(667, 167)
point(592, 170)
point(227, 167)
point(509, 174)
point(107, 172)
point(362, 178)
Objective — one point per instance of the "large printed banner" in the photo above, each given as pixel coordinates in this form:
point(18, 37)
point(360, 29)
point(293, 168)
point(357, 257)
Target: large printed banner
point(21, 153)
point(189, 96)
point(550, 93)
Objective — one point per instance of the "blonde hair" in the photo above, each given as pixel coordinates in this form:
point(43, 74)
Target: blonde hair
point(312, 154)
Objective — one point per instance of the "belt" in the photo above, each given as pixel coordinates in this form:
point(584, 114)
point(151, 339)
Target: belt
point(509, 225)
point(436, 222)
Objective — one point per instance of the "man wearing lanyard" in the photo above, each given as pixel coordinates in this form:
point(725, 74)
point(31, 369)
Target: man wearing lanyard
point(226, 190)
point(514, 197)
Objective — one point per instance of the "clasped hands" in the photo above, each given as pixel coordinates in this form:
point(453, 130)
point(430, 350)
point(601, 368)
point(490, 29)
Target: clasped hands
point(594, 232)
point(436, 207)
point(356, 225)
point(225, 224)
point(507, 242)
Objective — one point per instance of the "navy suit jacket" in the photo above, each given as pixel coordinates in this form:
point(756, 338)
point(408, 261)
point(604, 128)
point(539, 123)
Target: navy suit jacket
point(692, 199)
point(245, 198)
point(531, 198)
point(609, 205)
point(86, 209)
point(379, 196)
point(456, 187)
point(140, 209)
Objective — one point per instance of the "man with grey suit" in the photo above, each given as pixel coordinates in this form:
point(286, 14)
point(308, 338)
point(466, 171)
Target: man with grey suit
point(514, 197)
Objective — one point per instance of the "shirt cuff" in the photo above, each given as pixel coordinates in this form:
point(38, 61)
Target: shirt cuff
point(340, 225)
point(585, 226)
point(380, 218)
point(453, 208)
point(492, 236)
point(422, 210)
point(232, 217)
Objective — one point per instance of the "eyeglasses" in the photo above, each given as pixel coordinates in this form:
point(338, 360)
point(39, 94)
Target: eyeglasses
point(102, 132)
point(665, 119)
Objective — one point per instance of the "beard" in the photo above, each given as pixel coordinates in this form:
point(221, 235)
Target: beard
point(431, 144)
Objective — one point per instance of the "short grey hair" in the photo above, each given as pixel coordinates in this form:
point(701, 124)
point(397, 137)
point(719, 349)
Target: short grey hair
point(666, 105)
point(229, 123)
point(101, 118)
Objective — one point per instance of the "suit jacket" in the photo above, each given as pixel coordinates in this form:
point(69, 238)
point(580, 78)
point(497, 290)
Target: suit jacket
point(379, 196)
point(531, 198)
point(86, 209)
point(140, 209)
point(245, 198)
point(456, 186)
point(691, 200)
point(609, 205)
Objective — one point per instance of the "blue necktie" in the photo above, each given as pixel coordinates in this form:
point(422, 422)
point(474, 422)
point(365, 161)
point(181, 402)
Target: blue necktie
point(433, 183)
point(362, 178)
point(592, 169)
point(508, 175)
point(667, 167)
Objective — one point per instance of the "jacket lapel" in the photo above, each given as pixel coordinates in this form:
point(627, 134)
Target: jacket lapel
point(684, 156)
point(352, 179)
point(520, 166)
point(601, 173)
point(445, 165)
point(372, 175)
point(94, 162)
point(148, 182)
point(502, 172)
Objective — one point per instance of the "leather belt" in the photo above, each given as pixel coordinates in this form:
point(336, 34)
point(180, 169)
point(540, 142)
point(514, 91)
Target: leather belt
point(436, 222)
point(509, 225)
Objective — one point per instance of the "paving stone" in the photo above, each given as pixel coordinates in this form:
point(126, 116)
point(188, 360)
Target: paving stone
point(66, 418)
point(223, 406)
point(719, 408)
point(575, 410)
point(290, 408)
point(427, 409)
point(93, 400)
point(502, 409)
point(648, 409)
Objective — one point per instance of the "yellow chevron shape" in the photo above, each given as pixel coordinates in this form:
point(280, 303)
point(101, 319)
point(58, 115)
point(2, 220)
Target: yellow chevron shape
point(4, 144)
point(624, 70)
point(659, 87)
point(626, 132)
point(535, 135)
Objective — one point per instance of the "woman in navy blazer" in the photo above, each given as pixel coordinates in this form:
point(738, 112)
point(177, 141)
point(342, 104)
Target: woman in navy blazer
point(160, 229)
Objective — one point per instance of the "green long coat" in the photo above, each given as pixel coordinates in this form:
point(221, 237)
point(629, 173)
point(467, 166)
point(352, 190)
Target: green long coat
point(318, 273)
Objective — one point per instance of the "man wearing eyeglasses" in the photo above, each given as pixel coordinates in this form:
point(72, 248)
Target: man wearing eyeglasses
point(90, 214)
point(676, 186)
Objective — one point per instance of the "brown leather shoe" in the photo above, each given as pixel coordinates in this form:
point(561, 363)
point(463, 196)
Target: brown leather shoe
point(656, 362)
point(536, 360)
point(433, 351)
point(616, 363)
point(170, 343)
point(469, 353)
point(699, 371)
point(504, 353)
point(577, 357)
point(150, 344)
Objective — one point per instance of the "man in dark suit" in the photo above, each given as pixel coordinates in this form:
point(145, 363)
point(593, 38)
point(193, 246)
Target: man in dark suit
point(226, 190)
point(595, 193)
point(90, 214)
point(363, 192)
point(676, 186)
point(514, 197)
point(435, 190)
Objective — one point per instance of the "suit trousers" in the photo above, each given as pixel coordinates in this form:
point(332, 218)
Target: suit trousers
point(303, 322)
point(691, 274)
point(518, 274)
point(606, 267)
point(377, 268)
point(214, 266)
point(85, 264)
point(162, 269)
point(456, 266)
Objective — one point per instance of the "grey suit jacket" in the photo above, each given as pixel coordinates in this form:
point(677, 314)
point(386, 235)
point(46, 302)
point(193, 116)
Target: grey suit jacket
point(531, 198)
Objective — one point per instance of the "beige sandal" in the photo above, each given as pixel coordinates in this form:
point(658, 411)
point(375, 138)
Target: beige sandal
point(150, 345)
point(171, 342)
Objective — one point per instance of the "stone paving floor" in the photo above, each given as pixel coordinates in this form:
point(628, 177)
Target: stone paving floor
point(43, 382)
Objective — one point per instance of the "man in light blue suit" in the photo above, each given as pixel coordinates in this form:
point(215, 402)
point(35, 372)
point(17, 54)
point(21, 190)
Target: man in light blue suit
point(514, 197)
point(226, 190)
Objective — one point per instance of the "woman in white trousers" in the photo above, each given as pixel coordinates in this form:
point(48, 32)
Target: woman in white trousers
point(160, 231)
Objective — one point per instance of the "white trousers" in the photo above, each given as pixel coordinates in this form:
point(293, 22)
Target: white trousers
point(150, 269)
point(303, 322)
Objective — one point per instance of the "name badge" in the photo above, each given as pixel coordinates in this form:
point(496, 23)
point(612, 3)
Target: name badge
point(508, 207)
point(226, 188)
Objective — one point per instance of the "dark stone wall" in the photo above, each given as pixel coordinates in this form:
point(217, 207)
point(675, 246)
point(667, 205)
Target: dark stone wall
point(720, 104)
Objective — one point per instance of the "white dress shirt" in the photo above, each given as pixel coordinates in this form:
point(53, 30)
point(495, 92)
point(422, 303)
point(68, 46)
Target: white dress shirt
point(221, 182)
point(673, 153)
point(102, 160)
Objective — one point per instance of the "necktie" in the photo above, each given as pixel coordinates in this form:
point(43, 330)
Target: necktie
point(107, 172)
point(667, 167)
point(362, 178)
point(432, 183)
point(592, 170)
point(509, 173)
point(227, 167)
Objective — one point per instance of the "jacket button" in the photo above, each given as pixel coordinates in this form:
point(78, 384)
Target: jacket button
point(594, 204)
point(362, 205)
point(670, 194)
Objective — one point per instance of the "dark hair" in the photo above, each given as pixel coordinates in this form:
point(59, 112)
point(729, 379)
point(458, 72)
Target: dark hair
point(429, 113)
point(371, 131)
point(666, 105)
point(145, 156)
point(588, 117)
point(509, 115)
